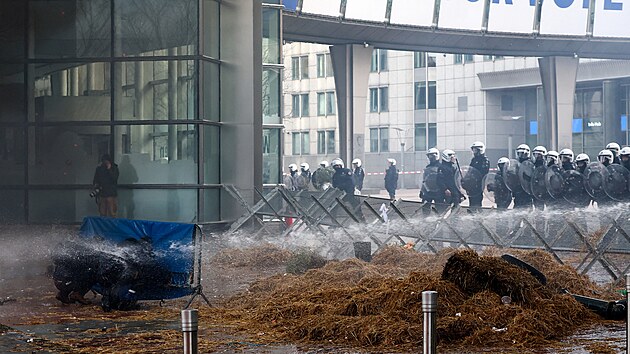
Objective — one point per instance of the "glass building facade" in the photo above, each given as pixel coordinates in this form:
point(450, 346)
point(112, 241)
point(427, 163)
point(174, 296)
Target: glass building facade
point(139, 80)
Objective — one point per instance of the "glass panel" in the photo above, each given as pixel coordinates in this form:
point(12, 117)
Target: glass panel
point(155, 27)
point(373, 139)
point(12, 206)
point(321, 65)
point(12, 27)
point(271, 36)
point(55, 206)
point(70, 29)
point(12, 155)
point(321, 104)
point(295, 143)
point(384, 135)
point(295, 106)
point(329, 66)
point(384, 99)
point(373, 100)
point(330, 103)
point(157, 154)
point(11, 92)
point(330, 141)
point(212, 154)
point(66, 154)
point(175, 205)
point(70, 92)
point(211, 32)
point(306, 143)
point(420, 137)
point(321, 143)
point(374, 62)
point(295, 68)
point(271, 156)
point(304, 67)
point(162, 90)
point(382, 59)
point(432, 134)
point(271, 96)
point(305, 104)
point(211, 204)
point(593, 103)
point(211, 96)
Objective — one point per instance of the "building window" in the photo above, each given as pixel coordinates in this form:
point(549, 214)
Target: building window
point(420, 143)
point(326, 142)
point(325, 103)
point(304, 111)
point(469, 58)
point(306, 143)
point(458, 59)
point(330, 142)
point(420, 93)
point(462, 103)
point(588, 121)
point(379, 139)
point(379, 60)
point(295, 68)
point(295, 106)
point(507, 104)
point(420, 60)
point(321, 104)
point(304, 67)
point(301, 143)
point(321, 142)
point(330, 103)
point(295, 143)
point(329, 67)
point(321, 65)
point(379, 99)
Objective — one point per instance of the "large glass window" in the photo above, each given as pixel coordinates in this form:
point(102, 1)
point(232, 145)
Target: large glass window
point(210, 27)
point(295, 106)
point(163, 90)
point(373, 139)
point(321, 103)
point(304, 103)
point(588, 125)
point(379, 60)
point(156, 27)
point(271, 35)
point(384, 139)
point(161, 154)
point(321, 142)
point(295, 143)
point(12, 206)
point(304, 67)
point(158, 204)
point(295, 68)
point(13, 23)
point(330, 103)
point(271, 156)
point(330, 142)
point(306, 143)
point(379, 99)
point(12, 155)
point(211, 154)
point(420, 94)
point(422, 59)
point(211, 88)
point(12, 92)
point(74, 29)
point(271, 95)
point(420, 136)
point(70, 92)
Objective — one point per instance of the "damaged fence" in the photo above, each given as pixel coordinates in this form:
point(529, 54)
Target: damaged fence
point(593, 239)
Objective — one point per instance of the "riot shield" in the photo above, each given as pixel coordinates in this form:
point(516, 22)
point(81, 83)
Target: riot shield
point(510, 176)
point(525, 174)
point(554, 181)
point(538, 185)
point(595, 176)
point(488, 184)
point(573, 188)
point(616, 185)
point(470, 180)
point(430, 181)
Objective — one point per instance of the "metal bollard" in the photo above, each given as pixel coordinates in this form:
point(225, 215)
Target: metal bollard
point(189, 330)
point(627, 314)
point(429, 310)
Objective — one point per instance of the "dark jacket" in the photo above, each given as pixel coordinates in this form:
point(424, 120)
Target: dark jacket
point(342, 179)
point(106, 180)
point(502, 195)
point(568, 166)
point(430, 180)
point(481, 163)
point(446, 178)
point(359, 176)
point(391, 178)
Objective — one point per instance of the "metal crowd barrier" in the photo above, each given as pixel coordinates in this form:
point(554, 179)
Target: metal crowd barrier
point(596, 238)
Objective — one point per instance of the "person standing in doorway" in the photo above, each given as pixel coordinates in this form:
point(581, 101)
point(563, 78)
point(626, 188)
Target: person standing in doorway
point(105, 187)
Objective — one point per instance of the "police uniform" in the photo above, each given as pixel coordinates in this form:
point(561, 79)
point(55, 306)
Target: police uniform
point(446, 178)
point(432, 196)
point(521, 198)
point(481, 164)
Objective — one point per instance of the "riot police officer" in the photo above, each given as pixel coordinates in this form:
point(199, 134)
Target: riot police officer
point(291, 180)
point(391, 178)
point(446, 178)
point(480, 163)
point(553, 158)
point(322, 177)
point(614, 148)
point(305, 176)
point(581, 161)
point(606, 157)
point(521, 198)
point(359, 174)
point(502, 195)
point(624, 157)
point(566, 159)
point(430, 193)
point(538, 155)
point(343, 180)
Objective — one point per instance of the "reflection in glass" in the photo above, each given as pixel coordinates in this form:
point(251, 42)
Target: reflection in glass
point(211, 28)
point(12, 155)
point(62, 29)
point(12, 206)
point(12, 27)
point(271, 96)
point(11, 92)
point(211, 82)
point(212, 206)
point(57, 206)
point(65, 154)
point(211, 150)
point(176, 205)
point(271, 156)
point(70, 92)
point(271, 36)
point(155, 27)
point(157, 154)
point(155, 90)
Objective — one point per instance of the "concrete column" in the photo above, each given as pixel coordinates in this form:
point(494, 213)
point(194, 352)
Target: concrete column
point(60, 83)
point(241, 101)
point(351, 66)
point(558, 76)
point(91, 68)
point(610, 119)
point(74, 81)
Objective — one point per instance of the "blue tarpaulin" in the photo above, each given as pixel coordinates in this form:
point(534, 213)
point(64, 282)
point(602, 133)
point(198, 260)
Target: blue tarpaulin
point(172, 244)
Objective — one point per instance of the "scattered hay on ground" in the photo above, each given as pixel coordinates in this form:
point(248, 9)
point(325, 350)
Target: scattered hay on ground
point(266, 255)
point(303, 260)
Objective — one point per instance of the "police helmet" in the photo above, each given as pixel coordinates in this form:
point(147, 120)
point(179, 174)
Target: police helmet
point(391, 161)
point(433, 154)
point(357, 162)
point(582, 158)
point(478, 148)
point(566, 155)
point(324, 163)
point(553, 155)
point(305, 166)
point(293, 167)
point(522, 151)
point(337, 163)
point(614, 147)
point(605, 156)
point(503, 161)
point(625, 151)
point(539, 151)
point(448, 155)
